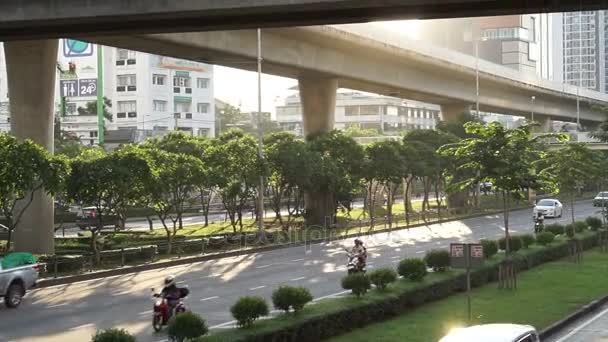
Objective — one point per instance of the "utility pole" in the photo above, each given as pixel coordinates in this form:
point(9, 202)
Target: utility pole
point(100, 104)
point(260, 138)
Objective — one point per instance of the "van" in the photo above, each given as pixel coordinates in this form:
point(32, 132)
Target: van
point(493, 333)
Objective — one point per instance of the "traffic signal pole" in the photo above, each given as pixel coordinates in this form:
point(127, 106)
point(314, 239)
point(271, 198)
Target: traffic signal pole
point(100, 117)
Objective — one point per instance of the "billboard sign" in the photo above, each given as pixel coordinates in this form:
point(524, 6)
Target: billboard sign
point(76, 48)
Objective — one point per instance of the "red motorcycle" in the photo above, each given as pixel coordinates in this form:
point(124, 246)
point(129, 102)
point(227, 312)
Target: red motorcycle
point(162, 310)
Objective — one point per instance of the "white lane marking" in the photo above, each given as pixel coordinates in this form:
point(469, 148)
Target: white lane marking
point(209, 298)
point(181, 282)
point(264, 266)
point(222, 325)
point(145, 313)
point(257, 288)
point(582, 326)
point(56, 305)
point(420, 252)
point(296, 260)
point(296, 279)
point(331, 295)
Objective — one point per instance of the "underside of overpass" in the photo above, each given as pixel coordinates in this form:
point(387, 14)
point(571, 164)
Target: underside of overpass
point(27, 19)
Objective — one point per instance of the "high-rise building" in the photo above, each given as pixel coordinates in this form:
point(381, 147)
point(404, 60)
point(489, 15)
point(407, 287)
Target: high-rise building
point(4, 115)
point(512, 41)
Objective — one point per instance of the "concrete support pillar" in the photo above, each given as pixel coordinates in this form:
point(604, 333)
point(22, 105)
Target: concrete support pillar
point(318, 98)
point(545, 124)
point(451, 111)
point(31, 69)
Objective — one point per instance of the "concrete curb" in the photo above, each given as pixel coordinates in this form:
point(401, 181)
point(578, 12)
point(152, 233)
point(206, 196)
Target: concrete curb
point(46, 282)
point(563, 323)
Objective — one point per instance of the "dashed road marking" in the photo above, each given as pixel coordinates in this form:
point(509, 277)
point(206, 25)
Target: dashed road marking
point(257, 288)
point(296, 260)
point(209, 298)
point(296, 279)
point(264, 266)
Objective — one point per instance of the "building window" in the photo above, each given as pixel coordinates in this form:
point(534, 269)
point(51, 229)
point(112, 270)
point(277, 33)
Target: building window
point(202, 83)
point(127, 106)
point(181, 81)
point(351, 110)
point(93, 134)
point(188, 115)
point(121, 115)
point(132, 114)
point(126, 82)
point(182, 107)
point(159, 106)
point(159, 79)
point(123, 54)
point(202, 108)
point(203, 132)
point(533, 29)
point(369, 110)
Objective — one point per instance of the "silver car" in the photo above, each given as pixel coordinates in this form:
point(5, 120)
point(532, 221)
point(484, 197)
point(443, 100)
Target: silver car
point(14, 282)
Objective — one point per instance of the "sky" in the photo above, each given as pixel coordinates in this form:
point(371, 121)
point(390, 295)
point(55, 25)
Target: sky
point(244, 93)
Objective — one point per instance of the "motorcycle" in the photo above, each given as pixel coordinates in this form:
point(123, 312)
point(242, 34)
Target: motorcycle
point(538, 227)
point(162, 310)
point(354, 264)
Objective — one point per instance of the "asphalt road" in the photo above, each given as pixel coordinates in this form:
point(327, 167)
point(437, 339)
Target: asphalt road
point(593, 328)
point(72, 312)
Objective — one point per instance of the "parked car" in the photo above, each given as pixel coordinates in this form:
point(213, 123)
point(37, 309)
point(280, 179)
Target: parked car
point(493, 333)
point(14, 282)
point(88, 217)
point(549, 208)
point(601, 200)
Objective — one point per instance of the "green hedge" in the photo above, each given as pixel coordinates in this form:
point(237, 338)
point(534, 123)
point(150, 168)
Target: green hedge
point(400, 301)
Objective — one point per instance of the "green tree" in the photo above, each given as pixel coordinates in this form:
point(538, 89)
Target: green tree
point(457, 127)
point(174, 178)
point(568, 168)
point(90, 108)
point(26, 169)
point(357, 131)
point(235, 156)
point(384, 166)
point(290, 163)
point(337, 175)
point(505, 157)
point(109, 182)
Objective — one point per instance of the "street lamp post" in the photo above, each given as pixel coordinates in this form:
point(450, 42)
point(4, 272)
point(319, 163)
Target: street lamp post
point(532, 109)
point(260, 137)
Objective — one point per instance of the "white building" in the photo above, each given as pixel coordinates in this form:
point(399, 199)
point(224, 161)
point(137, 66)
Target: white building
point(385, 114)
point(147, 92)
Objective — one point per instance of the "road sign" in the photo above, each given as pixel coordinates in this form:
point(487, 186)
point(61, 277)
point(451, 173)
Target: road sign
point(88, 87)
point(68, 88)
point(77, 48)
point(78, 88)
point(467, 256)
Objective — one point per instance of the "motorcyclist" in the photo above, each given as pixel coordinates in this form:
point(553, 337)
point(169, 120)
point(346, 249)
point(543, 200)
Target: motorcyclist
point(539, 221)
point(171, 293)
point(360, 252)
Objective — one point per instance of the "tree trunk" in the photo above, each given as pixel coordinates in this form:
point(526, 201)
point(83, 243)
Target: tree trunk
point(571, 207)
point(150, 223)
point(389, 204)
point(505, 200)
point(372, 205)
point(438, 198)
point(319, 206)
point(10, 237)
point(407, 198)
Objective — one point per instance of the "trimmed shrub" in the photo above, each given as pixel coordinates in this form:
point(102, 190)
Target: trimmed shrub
point(248, 309)
point(113, 335)
point(490, 248)
point(382, 277)
point(555, 228)
point(527, 240)
point(580, 226)
point(358, 283)
point(288, 297)
point(570, 230)
point(186, 326)
point(412, 269)
point(515, 243)
point(594, 223)
point(545, 238)
point(438, 260)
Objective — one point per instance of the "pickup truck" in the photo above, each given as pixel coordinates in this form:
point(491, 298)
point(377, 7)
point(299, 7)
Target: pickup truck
point(14, 282)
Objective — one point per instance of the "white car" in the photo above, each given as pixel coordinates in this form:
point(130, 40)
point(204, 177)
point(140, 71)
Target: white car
point(549, 208)
point(493, 333)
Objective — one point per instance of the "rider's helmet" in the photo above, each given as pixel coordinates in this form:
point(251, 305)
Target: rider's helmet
point(358, 242)
point(169, 280)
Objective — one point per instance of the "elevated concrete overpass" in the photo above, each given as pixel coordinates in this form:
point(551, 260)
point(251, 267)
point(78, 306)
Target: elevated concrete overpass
point(26, 19)
point(374, 60)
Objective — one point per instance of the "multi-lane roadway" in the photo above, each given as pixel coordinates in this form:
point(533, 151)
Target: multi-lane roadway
point(72, 312)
